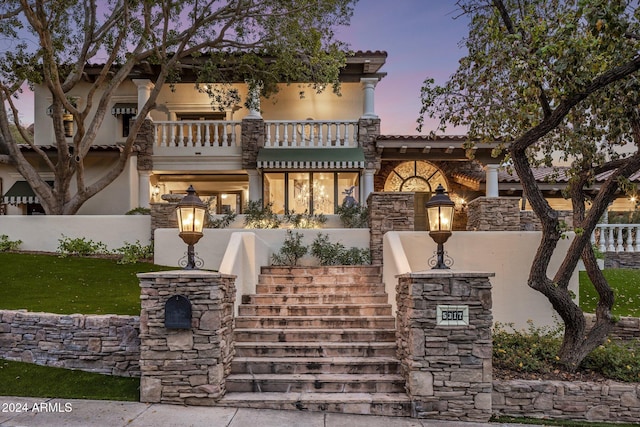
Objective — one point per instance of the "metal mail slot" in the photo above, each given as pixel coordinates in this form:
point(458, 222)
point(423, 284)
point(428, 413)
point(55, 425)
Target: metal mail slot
point(177, 313)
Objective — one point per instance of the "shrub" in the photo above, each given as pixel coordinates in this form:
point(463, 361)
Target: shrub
point(291, 252)
point(8, 245)
point(258, 216)
point(139, 211)
point(131, 253)
point(224, 222)
point(80, 246)
point(305, 220)
point(353, 215)
point(536, 349)
point(336, 254)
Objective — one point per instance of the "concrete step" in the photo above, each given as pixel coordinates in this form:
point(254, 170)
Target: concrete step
point(315, 310)
point(319, 288)
point(312, 322)
point(384, 404)
point(311, 365)
point(317, 298)
point(332, 335)
point(329, 270)
point(315, 349)
point(303, 279)
point(307, 383)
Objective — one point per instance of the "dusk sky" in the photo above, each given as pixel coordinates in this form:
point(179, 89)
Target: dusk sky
point(421, 38)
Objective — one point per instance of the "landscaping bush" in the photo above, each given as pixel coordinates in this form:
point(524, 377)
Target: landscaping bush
point(258, 216)
point(8, 245)
point(291, 252)
point(305, 220)
point(353, 215)
point(131, 253)
point(80, 247)
point(337, 254)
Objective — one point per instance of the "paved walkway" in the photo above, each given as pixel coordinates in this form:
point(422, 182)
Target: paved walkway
point(36, 412)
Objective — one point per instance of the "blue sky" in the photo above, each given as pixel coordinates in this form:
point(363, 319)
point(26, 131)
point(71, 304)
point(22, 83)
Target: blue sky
point(421, 38)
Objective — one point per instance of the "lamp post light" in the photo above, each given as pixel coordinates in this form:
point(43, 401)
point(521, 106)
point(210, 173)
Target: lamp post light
point(440, 216)
point(190, 211)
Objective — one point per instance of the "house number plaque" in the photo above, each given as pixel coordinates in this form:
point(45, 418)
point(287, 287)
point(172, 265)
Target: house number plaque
point(452, 315)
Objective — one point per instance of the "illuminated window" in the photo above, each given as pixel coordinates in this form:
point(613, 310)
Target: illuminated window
point(415, 176)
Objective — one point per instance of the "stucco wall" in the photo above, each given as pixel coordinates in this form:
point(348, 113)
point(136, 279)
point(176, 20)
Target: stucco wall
point(42, 232)
point(507, 254)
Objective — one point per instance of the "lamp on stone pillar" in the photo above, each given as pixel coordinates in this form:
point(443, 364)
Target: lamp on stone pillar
point(190, 211)
point(440, 216)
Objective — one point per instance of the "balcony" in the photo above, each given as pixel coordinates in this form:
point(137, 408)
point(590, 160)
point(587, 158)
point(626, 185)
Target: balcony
point(219, 137)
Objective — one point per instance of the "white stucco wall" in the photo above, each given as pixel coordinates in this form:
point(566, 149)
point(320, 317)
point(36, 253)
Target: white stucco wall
point(169, 248)
point(42, 232)
point(507, 254)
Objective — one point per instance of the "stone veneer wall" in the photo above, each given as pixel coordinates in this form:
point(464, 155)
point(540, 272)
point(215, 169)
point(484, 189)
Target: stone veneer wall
point(622, 260)
point(626, 328)
point(448, 369)
point(253, 137)
point(107, 344)
point(563, 400)
point(388, 212)
point(493, 214)
point(163, 215)
point(530, 222)
point(186, 366)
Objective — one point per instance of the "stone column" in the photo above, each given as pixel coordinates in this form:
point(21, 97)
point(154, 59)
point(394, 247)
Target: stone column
point(253, 137)
point(367, 183)
point(388, 212)
point(444, 343)
point(493, 214)
point(491, 189)
point(144, 189)
point(144, 92)
point(186, 366)
point(369, 88)
point(255, 185)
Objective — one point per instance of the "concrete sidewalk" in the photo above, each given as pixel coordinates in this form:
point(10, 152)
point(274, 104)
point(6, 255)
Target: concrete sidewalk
point(36, 412)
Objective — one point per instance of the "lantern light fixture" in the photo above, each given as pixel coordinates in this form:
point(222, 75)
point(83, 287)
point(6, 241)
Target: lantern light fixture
point(440, 210)
point(191, 213)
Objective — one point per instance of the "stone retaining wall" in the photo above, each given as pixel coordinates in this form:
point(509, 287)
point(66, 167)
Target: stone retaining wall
point(107, 344)
point(622, 260)
point(627, 328)
point(388, 212)
point(562, 400)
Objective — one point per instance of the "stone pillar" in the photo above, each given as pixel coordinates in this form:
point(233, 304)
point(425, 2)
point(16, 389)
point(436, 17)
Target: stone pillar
point(369, 88)
point(253, 136)
point(444, 343)
point(144, 92)
point(491, 189)
point(388, 212)
point(255, 185)
point(493, 214)
point(367, 183)
point(144, 189)
point(186, 366)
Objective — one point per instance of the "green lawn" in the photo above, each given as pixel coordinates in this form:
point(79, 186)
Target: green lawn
point(626, 285)
point(29, 380)
point(70, 285)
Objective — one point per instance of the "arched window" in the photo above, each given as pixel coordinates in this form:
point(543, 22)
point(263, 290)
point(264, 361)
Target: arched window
point(415, 176)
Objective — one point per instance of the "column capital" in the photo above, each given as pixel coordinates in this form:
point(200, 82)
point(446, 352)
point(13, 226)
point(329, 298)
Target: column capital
point(143, 83)
point(369, 81)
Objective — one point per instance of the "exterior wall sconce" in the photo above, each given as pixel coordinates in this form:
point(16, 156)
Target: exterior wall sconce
point(440, 217)
point(190, 211)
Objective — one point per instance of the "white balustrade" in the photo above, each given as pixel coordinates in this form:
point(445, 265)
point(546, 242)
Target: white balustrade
point(197, 133)
point(311, 133)
point(617, 237)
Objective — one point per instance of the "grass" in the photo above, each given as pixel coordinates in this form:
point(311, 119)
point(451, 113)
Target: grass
point(29, 380)
point(70, 285)
point(624, 283)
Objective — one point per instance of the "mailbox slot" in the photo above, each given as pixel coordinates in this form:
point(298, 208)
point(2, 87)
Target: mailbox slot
point(177, 313)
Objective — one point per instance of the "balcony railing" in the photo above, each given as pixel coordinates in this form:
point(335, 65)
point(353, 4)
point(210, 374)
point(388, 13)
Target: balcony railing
point(197, 133)
point(617, 237)
point(311, 133)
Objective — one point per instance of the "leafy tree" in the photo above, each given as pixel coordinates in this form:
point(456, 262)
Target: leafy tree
point(552, 78)
point(260, 41)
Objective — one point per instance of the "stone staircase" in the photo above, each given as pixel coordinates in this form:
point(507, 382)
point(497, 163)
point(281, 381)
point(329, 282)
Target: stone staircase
point(317, 339)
